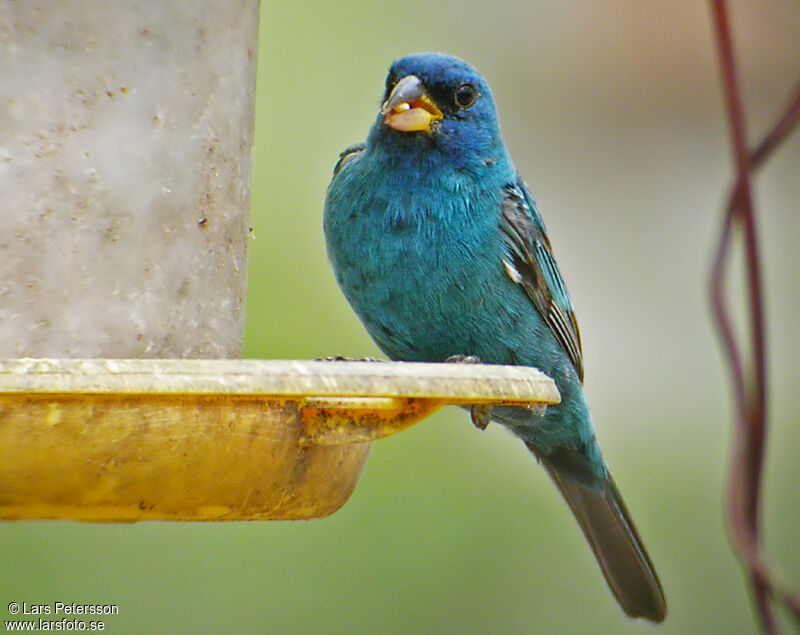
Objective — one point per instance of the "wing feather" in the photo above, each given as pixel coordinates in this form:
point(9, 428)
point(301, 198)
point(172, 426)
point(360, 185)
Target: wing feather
point(347, 155)
point(532, 266)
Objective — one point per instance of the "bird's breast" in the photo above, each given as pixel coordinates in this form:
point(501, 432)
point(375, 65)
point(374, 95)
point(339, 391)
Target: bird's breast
point(420, 262)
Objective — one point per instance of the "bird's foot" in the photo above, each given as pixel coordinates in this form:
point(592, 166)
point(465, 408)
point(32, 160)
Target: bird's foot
point(481, 416)
point(342, 358)
point(481, 413)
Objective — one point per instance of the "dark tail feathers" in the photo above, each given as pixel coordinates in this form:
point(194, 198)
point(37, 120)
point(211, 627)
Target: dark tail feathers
point(608, 527)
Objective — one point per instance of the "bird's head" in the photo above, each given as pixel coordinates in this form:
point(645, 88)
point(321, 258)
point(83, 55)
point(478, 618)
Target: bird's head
point(437, 101)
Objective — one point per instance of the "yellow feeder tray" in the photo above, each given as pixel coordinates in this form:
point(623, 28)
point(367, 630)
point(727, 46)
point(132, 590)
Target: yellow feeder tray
point(158, 439)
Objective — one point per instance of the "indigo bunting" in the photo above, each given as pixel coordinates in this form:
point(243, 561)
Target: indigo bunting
point(440, 249)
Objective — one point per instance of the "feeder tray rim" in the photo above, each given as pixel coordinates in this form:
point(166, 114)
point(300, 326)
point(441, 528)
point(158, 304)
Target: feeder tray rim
point(450, 381)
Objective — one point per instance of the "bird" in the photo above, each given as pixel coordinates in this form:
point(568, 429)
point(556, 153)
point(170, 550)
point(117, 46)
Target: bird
point(438, 246)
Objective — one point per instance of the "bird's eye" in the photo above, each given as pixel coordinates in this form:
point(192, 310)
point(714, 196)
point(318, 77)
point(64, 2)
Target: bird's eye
point(466, 95)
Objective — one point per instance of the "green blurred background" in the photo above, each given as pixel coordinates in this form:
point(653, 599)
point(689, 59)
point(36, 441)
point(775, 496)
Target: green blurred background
point(612, 112)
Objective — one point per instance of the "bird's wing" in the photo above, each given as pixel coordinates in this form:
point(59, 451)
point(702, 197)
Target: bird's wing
point(347, 155)
point(532, 266)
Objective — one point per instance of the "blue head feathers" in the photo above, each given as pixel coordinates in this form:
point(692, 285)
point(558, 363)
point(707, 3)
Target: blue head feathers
point(463, 123)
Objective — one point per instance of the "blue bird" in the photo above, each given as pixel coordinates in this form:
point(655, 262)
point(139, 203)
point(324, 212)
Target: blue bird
point(440, 249)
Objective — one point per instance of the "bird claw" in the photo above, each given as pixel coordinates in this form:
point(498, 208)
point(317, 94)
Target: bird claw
point(481, 413)
point(463, 359)
point(481, 416)
point(342, 358)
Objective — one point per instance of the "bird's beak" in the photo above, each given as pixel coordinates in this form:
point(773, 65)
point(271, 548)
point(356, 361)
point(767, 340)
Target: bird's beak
point(409, 108)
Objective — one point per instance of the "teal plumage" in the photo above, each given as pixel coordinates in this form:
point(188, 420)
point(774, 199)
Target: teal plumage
point(440, 249)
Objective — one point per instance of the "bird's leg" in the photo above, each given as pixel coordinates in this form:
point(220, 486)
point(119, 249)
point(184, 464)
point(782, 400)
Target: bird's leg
point(481, 414)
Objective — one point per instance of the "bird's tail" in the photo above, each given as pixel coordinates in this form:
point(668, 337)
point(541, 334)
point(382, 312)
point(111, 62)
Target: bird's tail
point(608, 527)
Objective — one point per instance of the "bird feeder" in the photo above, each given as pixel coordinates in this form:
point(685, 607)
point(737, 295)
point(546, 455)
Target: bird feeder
point(126, 134)
point(128, 440)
